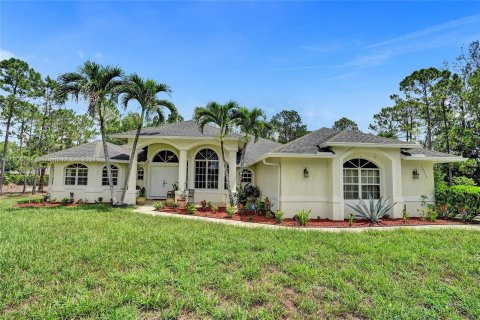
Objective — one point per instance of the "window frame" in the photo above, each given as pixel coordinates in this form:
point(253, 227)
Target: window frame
point(115, 174)
point(361, 177)
point(209, 164)
point(250, 173)
point(143, 174)
point(72, 172)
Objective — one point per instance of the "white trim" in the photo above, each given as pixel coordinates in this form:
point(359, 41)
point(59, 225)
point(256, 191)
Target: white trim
point(122, 136)
point(434, 159)
point(371, 145)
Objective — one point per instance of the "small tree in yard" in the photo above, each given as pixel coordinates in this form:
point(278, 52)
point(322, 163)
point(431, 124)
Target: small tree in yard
point(99, 86)
point(224, 116)
point(145, 93)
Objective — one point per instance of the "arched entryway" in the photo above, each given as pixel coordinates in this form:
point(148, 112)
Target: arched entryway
point(163, 173)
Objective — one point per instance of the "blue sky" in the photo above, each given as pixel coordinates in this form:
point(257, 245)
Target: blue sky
point(324, 59)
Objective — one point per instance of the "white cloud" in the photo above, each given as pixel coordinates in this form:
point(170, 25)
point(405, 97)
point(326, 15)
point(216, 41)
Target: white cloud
point(81, 55)
point(5, 54)
point(428, 31)
point(98, 56)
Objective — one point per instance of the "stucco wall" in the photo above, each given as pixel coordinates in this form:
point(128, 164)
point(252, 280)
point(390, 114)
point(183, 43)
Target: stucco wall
point(299, 192)
point(413, 189)
point(266, 177)
point(93, 190)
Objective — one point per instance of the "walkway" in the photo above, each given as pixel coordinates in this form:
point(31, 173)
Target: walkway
point(146, 209)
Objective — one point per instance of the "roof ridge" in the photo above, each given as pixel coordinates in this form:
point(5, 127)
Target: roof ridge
point(302, 137)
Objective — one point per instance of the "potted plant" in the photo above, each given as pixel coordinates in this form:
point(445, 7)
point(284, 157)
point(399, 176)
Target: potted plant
point(181, 201)
point(141, 197)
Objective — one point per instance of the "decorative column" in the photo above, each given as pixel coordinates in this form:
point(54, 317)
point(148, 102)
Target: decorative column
point(182, 170)
point(397, 192)
point(232, 165)
point(131, 194)
point(336, 196)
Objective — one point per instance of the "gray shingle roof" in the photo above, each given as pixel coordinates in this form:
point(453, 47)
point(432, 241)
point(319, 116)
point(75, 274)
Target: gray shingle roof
point(347, 136)
point(426, 153)
point(88, 152)
point(180, 129)
point(308, 144)
point(256, 150)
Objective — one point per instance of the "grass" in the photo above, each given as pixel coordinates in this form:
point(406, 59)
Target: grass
point(94, 261)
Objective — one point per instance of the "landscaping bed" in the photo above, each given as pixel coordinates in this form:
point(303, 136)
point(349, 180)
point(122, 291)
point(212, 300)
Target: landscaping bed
point(312, 223)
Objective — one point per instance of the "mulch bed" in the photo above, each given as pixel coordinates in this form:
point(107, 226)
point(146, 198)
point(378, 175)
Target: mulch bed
point(312, 223)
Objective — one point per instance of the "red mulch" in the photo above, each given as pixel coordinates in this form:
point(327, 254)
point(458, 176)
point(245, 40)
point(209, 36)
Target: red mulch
point(312, 223)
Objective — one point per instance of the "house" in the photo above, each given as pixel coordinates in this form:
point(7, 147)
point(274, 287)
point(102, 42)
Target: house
point(322, 171)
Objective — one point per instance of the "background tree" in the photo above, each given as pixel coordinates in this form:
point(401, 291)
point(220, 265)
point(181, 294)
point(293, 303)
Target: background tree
point(287, 126)
point(418, 88)
point(224, 116)
point(345, 124)
point(99, 86)
point(251, 123)
point(17, 80)
point(145, 93)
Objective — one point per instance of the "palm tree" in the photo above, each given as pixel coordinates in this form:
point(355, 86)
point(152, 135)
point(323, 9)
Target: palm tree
point(145, 93)
point(251, 123)
point(99, 85)
point(224, 116)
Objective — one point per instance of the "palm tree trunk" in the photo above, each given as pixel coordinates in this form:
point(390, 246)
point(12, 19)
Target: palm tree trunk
point(242, 164)
point(132, 156)
point(107, 158)
point(4, 154)
point(227, 174)
point(34, 184)
point(41, 180)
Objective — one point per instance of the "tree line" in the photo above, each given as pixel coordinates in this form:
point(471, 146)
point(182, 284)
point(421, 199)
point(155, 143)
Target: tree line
point(440, 109)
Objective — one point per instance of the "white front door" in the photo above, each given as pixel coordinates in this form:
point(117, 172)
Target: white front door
point(161, 179)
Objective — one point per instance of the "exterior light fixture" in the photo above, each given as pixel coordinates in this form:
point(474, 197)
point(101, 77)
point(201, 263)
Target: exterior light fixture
point(306, 173)
point(416, 175)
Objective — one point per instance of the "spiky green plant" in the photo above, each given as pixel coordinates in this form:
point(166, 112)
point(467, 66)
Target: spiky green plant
point(375, 209)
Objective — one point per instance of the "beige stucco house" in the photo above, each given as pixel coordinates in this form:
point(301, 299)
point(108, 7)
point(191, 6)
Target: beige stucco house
point(322, 171)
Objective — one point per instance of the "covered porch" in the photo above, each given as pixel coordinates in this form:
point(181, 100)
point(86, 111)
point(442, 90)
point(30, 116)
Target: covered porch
point(161, 165)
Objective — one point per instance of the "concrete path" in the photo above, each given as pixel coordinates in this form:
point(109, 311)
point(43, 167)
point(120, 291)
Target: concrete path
point(146, 209)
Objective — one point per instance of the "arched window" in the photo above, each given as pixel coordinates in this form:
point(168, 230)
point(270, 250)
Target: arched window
point(76, 175)
point(246, 176)
point(140, 173)
point(361, 178)
point(165, 156)
point(206, 169)
point(114, 171)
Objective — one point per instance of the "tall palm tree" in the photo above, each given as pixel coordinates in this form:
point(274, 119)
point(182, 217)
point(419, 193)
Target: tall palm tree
point(251, 123)
point(224, 116)
point(99, 86)
point(145, 93)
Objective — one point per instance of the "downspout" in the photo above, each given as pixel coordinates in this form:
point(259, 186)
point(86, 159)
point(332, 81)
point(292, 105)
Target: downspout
point(279, 192)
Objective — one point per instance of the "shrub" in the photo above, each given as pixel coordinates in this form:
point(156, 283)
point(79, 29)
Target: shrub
point(65, 201)
point(302, 217)
point(230, 211)
point(158, 205)
point(210, 205)
point(405, 214)
point(457, 198)
point(350, 219)
point(214, 208)
point(374, 211)
point(170, 203)
point(191, 209)
point(464, 181)
point(432, 213)
point(279, 216)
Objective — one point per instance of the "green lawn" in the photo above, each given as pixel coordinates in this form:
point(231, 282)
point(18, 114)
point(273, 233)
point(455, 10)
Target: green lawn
point(95, 262)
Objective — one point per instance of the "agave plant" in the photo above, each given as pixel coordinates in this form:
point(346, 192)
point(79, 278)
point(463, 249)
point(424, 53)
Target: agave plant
point(373, 211)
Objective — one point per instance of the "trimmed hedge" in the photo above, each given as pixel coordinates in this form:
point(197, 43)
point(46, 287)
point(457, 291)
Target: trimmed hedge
point(458, 197)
